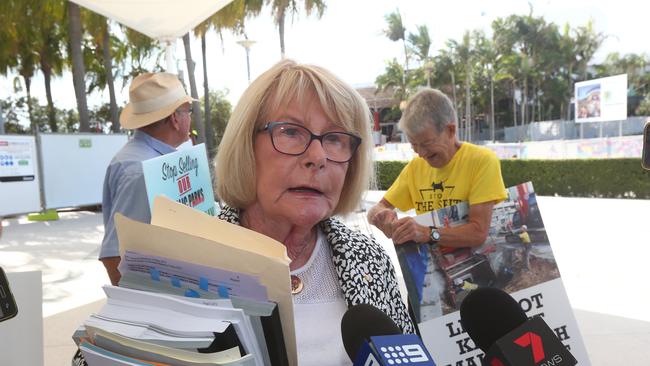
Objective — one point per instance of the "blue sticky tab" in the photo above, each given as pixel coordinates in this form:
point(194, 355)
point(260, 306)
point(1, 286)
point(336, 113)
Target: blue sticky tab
point(223, 292)
point(203, 283)
point(155, 274)
point(191, 293)
point(175, 281)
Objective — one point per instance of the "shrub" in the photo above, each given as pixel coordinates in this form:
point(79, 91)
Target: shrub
point(603, 178)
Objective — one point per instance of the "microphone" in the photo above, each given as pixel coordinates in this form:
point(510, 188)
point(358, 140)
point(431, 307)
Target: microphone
point(371, 338)
point(498, 326)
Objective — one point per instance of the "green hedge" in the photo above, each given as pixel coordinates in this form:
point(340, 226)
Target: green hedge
point(606, 178)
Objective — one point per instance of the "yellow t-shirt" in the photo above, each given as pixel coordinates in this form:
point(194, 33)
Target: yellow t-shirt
point(472, 175)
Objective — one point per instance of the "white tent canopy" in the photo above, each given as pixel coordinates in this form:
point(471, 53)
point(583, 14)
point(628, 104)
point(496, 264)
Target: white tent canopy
point(162, 20)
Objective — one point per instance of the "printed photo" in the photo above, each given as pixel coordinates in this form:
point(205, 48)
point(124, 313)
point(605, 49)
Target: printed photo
point(516, 255)
point(588, 104)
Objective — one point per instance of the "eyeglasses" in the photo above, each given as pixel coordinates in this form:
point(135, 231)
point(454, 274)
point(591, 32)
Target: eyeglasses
point(188, 111)
point(293, 139)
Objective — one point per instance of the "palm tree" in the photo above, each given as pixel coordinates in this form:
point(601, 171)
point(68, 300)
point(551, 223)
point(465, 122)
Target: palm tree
point(27, 60)
point(48, 20)
point(8, 43)
point(393, 79)
point(280, 8)
point(396, 31)
point(420, 44)
point(445, 75)
point(99, 29)
point(135, 53)
point(463, 54)
point(488, 57)
point(78, 68)
point(231, 17)
point(196, 106)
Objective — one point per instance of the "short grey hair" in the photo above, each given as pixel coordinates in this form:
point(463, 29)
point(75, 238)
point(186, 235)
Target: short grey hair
point(426, 109)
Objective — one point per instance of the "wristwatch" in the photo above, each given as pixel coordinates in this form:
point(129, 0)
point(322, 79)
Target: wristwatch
point(435, 234)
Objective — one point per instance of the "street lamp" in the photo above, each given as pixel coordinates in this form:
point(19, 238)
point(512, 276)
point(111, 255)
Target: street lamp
point(247, 44)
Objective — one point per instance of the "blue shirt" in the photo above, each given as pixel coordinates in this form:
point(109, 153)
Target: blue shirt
point(124, 188)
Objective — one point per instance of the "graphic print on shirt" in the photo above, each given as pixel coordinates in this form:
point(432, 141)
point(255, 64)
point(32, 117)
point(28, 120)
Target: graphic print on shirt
point(436, 197)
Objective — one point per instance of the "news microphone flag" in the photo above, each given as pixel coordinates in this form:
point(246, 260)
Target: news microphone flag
point(498, 326)
point(389, 350)
point(531, 344)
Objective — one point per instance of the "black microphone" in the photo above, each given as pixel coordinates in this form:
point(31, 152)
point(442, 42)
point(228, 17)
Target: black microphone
point(498, 326)
point(371, 338)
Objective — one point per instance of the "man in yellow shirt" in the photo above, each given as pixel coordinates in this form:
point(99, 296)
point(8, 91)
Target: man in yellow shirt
point(445, 173)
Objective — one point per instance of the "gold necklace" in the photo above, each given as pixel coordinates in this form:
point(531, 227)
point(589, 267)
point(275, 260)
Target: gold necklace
point(296, 283)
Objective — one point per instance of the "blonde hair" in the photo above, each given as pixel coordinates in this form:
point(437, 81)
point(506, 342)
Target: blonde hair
point(428, 108)
point(272, 91)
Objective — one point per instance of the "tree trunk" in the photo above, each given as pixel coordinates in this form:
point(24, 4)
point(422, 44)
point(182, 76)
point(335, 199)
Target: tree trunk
point(51, 115)
point(533, 104)
point(492, 131)
point(78, 68)
point(406, 57)
point(468, 102)
point(196, 106)
point(209, 132)
point(453, 94)
point(108, 66)
point(524, 100)
point(281, 16)
point(568, 109)
point(514, 103)
point(28, 89)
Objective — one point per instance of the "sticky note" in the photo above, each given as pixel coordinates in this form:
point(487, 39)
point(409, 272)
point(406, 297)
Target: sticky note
point(223, 292)
point(191, 293)
point(155, 274)
point(203, 283)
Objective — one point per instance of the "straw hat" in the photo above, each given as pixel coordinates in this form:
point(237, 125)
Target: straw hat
point(152, 97)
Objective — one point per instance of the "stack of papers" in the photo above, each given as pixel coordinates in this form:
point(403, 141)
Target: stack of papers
point(195, 290)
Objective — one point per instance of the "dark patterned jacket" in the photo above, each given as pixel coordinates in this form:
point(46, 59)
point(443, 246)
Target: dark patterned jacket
point(366, 274)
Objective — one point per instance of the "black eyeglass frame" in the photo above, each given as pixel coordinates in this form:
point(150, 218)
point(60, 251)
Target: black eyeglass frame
point(356, 140)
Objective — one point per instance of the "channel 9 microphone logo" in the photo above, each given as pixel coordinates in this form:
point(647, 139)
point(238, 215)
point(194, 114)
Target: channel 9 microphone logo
point(404, 349)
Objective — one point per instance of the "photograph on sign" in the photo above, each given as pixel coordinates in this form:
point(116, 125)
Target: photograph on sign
point(601, 100)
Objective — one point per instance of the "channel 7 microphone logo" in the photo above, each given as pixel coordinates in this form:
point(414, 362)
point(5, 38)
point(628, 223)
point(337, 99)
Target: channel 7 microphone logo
point(531, 344)
point(399, 350)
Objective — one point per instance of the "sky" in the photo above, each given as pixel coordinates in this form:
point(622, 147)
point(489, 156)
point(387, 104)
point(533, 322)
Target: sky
point(348, 39)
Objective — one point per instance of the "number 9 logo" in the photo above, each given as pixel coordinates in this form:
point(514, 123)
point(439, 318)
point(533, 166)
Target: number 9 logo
point(415, 353)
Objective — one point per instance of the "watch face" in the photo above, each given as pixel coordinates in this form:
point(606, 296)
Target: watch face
point(435, 235)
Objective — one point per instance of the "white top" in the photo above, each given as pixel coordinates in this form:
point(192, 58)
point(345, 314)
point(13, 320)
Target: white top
point(318, 310)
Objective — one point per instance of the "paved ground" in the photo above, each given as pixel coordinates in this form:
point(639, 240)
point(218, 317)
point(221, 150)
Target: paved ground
point(601, 247)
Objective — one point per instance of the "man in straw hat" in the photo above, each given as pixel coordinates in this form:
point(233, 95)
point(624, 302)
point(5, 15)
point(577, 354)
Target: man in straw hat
point(159, 111)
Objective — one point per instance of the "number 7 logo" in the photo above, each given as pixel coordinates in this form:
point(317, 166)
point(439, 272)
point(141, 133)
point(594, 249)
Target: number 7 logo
point(530, 339)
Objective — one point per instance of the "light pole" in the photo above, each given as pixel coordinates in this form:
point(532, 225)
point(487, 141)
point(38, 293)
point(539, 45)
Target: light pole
point(247, 44)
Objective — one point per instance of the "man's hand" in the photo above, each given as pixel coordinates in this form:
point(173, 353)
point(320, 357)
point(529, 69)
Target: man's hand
point(111, 264)
point(383, 215)
point(384, 220)
point(407, 229)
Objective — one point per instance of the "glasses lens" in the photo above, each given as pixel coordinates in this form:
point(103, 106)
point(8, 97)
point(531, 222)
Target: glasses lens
point(339, 146)
point(289, 138)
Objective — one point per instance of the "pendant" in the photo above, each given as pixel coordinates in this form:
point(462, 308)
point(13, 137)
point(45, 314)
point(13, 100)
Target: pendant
point(296, 285)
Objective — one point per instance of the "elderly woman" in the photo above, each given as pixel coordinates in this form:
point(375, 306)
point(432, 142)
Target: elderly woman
point(295, 153)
